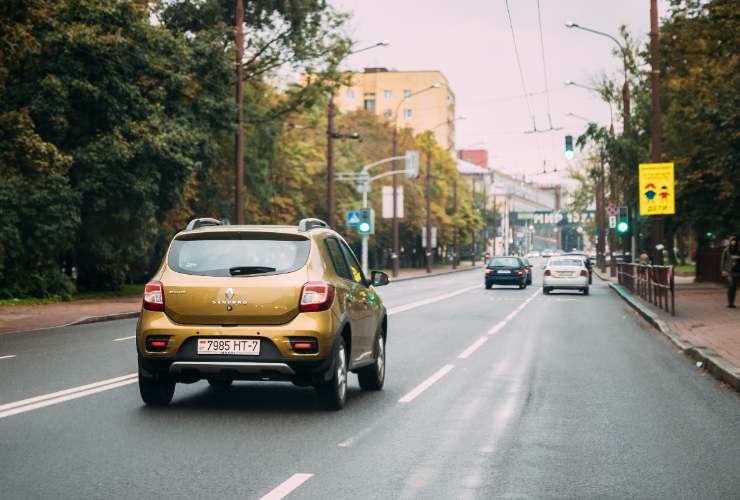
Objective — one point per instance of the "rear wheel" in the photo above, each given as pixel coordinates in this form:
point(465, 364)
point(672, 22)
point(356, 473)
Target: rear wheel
point(585, 291)
point(372, 377)
point(333, 393)
point(488, 286)
point(522, 286)
point(156, 391)
point(546, 290)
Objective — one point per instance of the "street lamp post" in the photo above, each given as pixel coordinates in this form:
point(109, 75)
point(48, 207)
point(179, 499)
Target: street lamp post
point(330, 136)
point(396, 255)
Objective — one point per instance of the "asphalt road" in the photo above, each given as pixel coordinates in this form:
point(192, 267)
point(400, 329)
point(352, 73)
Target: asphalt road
point(489, 393)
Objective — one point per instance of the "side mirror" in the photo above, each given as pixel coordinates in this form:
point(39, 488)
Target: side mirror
point(378, 278)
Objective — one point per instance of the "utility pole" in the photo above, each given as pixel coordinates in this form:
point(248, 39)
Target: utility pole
point(428, 194)
point(454, 231)
point(330, 192)
point(396, 253)
point(239, 189)
point(600, 216)
point(655, 125)
point(472, 245)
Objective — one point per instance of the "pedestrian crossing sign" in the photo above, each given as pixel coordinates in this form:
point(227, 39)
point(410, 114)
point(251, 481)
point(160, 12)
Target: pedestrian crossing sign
point(353, 218)
point(657, 190)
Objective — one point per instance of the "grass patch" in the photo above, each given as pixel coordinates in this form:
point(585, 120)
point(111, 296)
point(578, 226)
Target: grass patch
point(686, 268)
point(130, 290)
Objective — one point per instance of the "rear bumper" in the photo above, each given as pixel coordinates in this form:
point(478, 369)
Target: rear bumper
point(276, 361)
point(505, 279)
point(575, 282)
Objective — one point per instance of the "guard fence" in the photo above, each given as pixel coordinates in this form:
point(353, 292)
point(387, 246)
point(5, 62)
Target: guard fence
point(654, 284)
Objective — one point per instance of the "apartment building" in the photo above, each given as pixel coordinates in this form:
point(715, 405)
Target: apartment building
point(407, 97)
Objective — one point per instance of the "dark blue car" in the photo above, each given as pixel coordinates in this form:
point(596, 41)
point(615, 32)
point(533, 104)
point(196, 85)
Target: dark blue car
point(510, 270)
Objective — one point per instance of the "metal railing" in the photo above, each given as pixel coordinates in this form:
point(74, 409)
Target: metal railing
point(654, 284)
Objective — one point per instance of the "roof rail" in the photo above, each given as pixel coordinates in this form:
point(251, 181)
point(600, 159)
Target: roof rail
point(205, 221)
point(308, 224)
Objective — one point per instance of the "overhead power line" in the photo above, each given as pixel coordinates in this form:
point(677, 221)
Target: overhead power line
point(519, 65)
point(544, 63)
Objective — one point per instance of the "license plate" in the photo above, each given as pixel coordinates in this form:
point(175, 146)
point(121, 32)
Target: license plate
point(565, 275)
point(503, 271)
point(237, 347)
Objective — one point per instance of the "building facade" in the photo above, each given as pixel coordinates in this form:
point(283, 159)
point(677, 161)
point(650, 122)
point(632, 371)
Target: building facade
point(392, 95)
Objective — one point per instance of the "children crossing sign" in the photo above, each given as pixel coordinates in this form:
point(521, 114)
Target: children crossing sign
point(657, 191)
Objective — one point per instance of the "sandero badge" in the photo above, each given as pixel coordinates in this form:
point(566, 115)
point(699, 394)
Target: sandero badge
point(230, 301)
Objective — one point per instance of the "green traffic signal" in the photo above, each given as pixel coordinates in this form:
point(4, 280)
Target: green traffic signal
point(623, 227)
point(709, 234)
point(569, 152)
point(364, 228)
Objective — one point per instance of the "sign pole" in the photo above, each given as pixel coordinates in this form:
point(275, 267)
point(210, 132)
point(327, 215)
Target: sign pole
point(364, 238)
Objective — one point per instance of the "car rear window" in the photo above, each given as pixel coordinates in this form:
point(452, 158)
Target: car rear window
point(504, 262)
point(566, 262)
point(238, 254)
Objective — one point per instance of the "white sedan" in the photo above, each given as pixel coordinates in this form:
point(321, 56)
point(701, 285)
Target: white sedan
point(565, 273)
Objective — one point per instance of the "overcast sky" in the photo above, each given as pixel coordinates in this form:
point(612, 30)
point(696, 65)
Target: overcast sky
point(471, 43)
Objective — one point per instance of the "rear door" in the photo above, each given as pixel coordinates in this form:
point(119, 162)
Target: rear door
point(235, 278)
point(368, 303)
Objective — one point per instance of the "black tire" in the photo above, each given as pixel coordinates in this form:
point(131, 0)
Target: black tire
point(156, 391)
point(546, 290)
point(585, 291)
point(522, 286)
point(333, 393)
point(220, 384)
point(488, 286)
point(372, 377)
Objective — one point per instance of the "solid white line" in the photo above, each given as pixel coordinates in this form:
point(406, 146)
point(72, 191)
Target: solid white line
point(426, 384)
point(8, 356)
point(54, 396)
point(347, 443)
point(124, 338)
point(495, 329)
point(436, 298)
point(474, 346)
point(284, 489)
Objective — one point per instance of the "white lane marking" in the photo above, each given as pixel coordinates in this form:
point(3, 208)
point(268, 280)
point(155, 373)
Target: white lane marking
point(124, 338)
point(436, 298)
point(470, 350)
point(285, 488)
point(495, 329)
point(8, 356)
point(426, 384)
point(33, 403)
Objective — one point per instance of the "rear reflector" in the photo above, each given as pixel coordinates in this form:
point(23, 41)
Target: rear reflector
point(154, 296)
point(157, 344)
point(316, 296)
point(304, 344)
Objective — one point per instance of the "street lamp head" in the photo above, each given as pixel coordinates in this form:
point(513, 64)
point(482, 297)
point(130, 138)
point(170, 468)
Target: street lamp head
point(436, 85)
point(384, 43)
point(571, 24)
point(570, 82)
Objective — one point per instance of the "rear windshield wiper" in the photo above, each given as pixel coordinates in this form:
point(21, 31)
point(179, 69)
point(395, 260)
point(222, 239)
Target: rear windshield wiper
point(246, 270)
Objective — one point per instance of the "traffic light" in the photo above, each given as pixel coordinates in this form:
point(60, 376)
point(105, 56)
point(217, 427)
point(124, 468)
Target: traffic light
point(569, 152)
point(367, 222)
point(623, 221)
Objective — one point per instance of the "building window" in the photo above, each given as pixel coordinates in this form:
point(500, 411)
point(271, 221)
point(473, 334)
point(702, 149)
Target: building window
point(407, 113)
point(350, 94)
point(388, 114)
point(387, 95)
point(406, 93)
point(369, 104)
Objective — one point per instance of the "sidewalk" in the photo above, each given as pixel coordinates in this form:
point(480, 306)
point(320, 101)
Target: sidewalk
point(38, 317)
point(703, 326)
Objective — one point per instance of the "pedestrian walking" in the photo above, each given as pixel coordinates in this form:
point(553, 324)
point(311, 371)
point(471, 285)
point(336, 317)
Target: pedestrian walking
point(731, 269)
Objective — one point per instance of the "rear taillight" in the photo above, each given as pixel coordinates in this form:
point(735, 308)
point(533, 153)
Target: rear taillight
point(489, 271)
point(316, 296)
point(518, 273)
point(547, 272)
point(154, 296)
point(584, 272)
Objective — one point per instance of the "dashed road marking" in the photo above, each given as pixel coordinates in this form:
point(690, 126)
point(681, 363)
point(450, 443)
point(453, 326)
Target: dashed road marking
point(125, 338)
point(286, 487)
point(430, 300)
point(470, 350)
point(8, 356)
point(414, 393)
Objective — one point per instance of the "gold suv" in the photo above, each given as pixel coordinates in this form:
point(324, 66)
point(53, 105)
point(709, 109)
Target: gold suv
point(261, 303)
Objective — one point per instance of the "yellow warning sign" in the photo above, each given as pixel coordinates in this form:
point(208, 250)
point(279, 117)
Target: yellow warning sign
point(657, 189)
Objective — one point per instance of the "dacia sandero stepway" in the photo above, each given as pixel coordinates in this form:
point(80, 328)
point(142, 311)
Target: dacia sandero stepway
point(261, 303)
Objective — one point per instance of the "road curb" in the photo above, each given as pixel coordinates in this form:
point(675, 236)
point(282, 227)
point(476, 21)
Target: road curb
point(432, 275)
point(82, 321)
point(715, 364)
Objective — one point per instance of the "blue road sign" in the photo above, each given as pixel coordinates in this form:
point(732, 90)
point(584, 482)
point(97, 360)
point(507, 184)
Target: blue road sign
point(353, 218)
